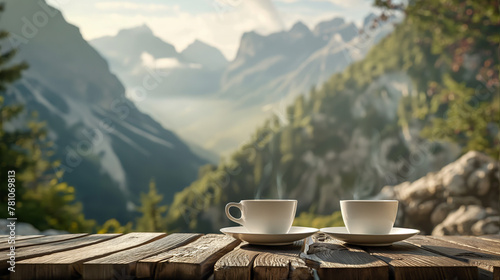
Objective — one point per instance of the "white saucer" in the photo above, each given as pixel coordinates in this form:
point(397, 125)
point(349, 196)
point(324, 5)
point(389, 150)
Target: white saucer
point(295, 233)
point(396, 234)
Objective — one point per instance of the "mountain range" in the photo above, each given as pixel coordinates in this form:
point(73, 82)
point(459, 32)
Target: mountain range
point(319, 115)
point(108, 149)
point(268, 72)
point(133, 51)
point(348, 137)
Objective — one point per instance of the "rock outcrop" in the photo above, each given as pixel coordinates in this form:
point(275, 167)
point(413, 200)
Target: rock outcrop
point(463, 198)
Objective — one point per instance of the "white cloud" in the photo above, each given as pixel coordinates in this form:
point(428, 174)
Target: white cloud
point(352, 11)
point(131, 6)
point(222, 29)
point(348, 4)
point(221, 23)
point(264, 11)
point(167, 62)
point(220, 26)
point(164, 63)
point(290, 18)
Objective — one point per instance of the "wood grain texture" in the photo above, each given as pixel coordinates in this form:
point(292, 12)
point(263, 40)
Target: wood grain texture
point(495, 238)
point(23, 237)
point(488, 264)
point(281, 262)
point(68, 264)
point(333, 260)
point(192, 261)
point(473, 242)
point(189, 256)
point(40, 240)
point(492, 236)
point(124, 262)
point(237, 264)
point(50, 248)
point(408, 261)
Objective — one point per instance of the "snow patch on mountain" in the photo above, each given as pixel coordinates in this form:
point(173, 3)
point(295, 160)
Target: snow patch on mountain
point(149, 136)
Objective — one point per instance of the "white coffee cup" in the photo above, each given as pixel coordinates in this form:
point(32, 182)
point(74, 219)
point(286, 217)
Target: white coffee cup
point(271, 216)
point(369, 216)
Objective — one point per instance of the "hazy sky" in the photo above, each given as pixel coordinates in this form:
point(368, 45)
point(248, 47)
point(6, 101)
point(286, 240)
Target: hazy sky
point(216, 22)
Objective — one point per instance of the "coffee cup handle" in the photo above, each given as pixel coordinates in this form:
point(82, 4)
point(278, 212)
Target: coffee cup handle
point(236, 220)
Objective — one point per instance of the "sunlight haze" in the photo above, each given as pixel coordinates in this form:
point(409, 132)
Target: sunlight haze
point(219, 23)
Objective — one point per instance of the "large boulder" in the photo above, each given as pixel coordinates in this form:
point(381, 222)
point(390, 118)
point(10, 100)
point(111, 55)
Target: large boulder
point(462, 198)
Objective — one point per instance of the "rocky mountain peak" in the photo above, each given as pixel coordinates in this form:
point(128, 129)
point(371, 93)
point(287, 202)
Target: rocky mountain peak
point(128, 45)
point(143, 29)
point(197, 44)
point(248, 43)
point(369, 19)
point(326, 27)
point(73, 91)
point(204, 54)
point(299, 28)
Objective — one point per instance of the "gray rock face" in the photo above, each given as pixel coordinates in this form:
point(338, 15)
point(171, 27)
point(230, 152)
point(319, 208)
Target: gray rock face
point(463, 198)
point(21, 228)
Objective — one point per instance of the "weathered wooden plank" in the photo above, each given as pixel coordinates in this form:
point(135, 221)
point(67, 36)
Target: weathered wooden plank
point(124, 262)
point(271, 266)
point(199, 262)
point(23, 237)
point(488, 264)
point(192, 261)
point(236, 264)
point(41, 240)
point(474, 242)
point(281, 262)
point(50, 248)
point(333, 260)
point(68, 264)
point(408, 261)
point(492, 237)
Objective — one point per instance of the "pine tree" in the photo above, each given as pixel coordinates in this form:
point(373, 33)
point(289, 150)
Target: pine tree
point(113, 226)
point(11, 159)
point(152, 219)
point(47, 202)
point(8, 73)
point(41, 199)
point(470, 122)
point(463, 96)
point(298, 112)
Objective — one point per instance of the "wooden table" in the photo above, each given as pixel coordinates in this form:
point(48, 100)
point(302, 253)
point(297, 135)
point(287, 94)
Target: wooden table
point(216, 256)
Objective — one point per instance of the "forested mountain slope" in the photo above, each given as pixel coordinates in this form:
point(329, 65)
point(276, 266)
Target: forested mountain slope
point(434, 77)
point(108, 149)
